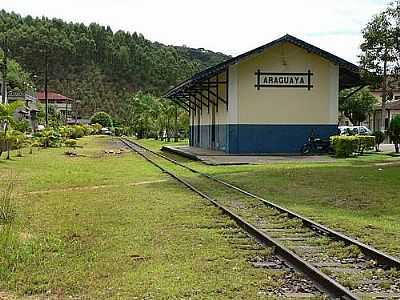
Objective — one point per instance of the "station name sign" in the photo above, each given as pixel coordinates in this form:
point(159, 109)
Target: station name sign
point(283, 80)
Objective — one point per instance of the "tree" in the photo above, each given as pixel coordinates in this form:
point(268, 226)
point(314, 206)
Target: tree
point(394, 132)
point(102, 118)
point(101, 68)
point(54, 117)
point(7, 120)
point(380, 51)
point(379, 139)
point(357, 106)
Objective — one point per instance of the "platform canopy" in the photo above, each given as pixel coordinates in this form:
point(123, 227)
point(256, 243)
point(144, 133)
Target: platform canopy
point(204, 87)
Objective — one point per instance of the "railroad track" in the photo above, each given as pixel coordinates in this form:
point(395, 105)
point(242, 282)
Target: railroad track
point(338, 265)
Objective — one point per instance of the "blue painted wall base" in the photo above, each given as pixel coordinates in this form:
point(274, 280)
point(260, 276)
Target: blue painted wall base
point(259, 138)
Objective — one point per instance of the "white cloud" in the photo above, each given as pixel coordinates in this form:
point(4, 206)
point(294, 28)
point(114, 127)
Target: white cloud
point(231, 27)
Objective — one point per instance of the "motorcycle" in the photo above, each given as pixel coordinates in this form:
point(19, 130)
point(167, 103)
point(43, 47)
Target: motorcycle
point(316, 146)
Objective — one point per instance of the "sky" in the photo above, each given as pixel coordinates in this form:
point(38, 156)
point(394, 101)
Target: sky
point(228, 26)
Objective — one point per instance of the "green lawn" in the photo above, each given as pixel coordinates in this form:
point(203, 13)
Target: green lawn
point(107, 226)
point(358, 196)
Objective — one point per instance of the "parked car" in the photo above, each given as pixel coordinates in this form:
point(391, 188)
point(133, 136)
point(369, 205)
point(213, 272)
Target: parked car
point(105, 130)
point(361, 130)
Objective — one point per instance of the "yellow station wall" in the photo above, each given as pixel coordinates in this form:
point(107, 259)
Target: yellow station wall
point(247, 105)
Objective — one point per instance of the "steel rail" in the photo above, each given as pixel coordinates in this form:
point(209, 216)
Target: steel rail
point(323, 282)
point(379, 256)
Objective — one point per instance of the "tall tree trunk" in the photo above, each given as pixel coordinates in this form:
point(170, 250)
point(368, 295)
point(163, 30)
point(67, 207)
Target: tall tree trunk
point(384, 94)
point(7, 141)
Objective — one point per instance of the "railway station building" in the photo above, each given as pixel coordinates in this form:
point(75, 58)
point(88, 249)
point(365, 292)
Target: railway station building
point(267, 100)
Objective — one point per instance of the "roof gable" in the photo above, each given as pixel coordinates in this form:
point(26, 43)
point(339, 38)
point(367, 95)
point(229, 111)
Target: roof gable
point(350, 72)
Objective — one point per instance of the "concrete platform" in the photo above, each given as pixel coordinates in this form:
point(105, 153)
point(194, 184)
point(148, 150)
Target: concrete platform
point(213, 157)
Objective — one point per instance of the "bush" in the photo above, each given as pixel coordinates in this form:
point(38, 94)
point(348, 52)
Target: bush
point(344, 146)
point(102, 118)
point(120, 131)
point(365, 142)
point(22, 126)
point(379, 138)
point(87, 129)
point(77, 132)
point(394, 132)
point(96, 128)
point(49, 137)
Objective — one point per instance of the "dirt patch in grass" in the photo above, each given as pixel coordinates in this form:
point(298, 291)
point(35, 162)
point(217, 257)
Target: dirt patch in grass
point(94, 187)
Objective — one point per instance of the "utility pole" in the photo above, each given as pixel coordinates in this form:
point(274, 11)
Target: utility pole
point(46, 96)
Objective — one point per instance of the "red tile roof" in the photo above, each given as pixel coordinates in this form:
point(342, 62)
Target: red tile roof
point(52, 96)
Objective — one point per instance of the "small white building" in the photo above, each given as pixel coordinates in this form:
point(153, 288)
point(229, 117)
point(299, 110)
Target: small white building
point(267, 100)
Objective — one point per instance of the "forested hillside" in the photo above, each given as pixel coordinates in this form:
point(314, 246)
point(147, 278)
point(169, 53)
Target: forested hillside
point(92, 63)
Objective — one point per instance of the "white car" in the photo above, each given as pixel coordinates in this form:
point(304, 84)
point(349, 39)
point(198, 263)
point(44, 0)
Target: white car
point(105, 130)
point(361, 130)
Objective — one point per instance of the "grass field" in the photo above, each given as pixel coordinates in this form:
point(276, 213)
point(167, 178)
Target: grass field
point(358, 196)
point(107, 226)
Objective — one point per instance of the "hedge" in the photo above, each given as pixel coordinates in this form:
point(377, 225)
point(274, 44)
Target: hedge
point(346, 146)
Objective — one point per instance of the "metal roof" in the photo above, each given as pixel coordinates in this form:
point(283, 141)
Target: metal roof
point(349, 74)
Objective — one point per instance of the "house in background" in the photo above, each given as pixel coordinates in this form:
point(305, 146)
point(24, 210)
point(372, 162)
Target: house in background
point(29, 111)
point(392, 106)
point(62, 104)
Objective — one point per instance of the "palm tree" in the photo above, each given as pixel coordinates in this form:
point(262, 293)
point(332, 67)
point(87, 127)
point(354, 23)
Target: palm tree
point(7, 120)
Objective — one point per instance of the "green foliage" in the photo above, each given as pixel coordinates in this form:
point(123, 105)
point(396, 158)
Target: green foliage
point(22, 125)
point(54, 117)
point(150, 116)
point(357, 106)
point(96, 128)
point(346, 146)
point(77, 131)
point(49, 138)
point(394, 132)
point(102, 118)
point(7, 112)
point(18, 140)
point(120, 131)
point(379, 138)
point(365, 142)
point(7, 120)
point(99, 67)
point(380, 51)
point(17, 78)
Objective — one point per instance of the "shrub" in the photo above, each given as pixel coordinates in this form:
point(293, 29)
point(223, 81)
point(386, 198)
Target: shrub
point(365, 142)
point(96, 128)
point(394, 132)
point(87, 129)
point(49, 137)
point(22, 126)
point(102, 118)
point(344, 146)
point(120, 131)
point(18, 140)
point(379, 138)
point(77, 132)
